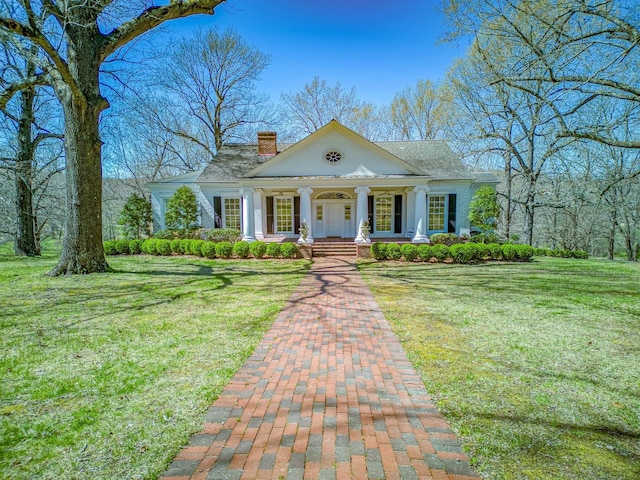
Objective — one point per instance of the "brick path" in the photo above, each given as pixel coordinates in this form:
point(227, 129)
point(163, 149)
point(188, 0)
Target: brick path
point(327, 394)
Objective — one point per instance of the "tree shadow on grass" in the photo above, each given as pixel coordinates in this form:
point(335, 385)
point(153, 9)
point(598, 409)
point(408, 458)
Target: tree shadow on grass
point(165, 287)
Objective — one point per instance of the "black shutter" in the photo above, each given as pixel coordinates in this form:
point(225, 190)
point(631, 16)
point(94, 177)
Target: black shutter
point(397, 214)
point(372, 225)
point(217, 209)
point(452, 213)
point(296, 214)
point(269, 215)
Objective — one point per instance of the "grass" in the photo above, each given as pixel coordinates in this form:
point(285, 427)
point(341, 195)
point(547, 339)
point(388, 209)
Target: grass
point(536, 366)
point(106, 376)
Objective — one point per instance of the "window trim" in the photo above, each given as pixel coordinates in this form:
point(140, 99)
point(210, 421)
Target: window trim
point(444, 212)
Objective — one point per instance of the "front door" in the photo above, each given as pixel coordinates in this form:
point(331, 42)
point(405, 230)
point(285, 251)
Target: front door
point(335, 219)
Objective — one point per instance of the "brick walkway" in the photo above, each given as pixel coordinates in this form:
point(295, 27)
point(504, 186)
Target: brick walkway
point(328, 394)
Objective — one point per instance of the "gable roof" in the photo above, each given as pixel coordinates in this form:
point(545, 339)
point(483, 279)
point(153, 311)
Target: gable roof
point(429, 158)
point(333, 126)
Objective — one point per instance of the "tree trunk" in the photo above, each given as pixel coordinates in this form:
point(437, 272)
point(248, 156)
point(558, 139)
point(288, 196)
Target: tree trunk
point(25, 243)
point(509, 176)
point(611, 247)
point(529, 213)
point(82, 250)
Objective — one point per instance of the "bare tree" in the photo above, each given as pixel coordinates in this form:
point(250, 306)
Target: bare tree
point(74, 38)
point(212, 76)
point(587, 51)
point(27, 170)
point(418, 112)
point(318, 103)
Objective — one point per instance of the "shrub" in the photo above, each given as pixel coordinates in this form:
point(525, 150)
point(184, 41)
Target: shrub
point(208, 249)
point(517, 253)
point(425, 252)
point(440, 252)
point(122, 246)
point(580, 254)
point(224, 235)
point(224, 249)
point(135, 247)
point(163, 246)
point(485, 238)
point(409, 252)
point(182, 209)
point(273, 250)
point(149, 246)
point(241, 249)
point(185, 248)
point(136, 216)
point(462, 252)
point(258, 249)
point(495, 251)
point(195, 247)
point(444, 239)
point(175, 246)
point(165, 234)
point(393, 251)
point(110, 247)
point(481, 251)
point(289, 250)
point(379, 250)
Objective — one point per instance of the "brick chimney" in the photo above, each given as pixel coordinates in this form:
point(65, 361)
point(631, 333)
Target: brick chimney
point(267, 143)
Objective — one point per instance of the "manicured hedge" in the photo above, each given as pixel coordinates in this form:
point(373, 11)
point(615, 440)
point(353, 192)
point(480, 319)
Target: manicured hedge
point(258, 249)
point(289, 250)
point(241, 249)
point(468, 252)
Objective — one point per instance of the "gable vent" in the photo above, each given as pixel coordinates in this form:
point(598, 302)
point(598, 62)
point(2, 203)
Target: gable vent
point(267, 143)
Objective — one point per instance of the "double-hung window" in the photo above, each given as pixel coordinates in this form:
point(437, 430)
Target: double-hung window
point(384, 213)
point(437, 212)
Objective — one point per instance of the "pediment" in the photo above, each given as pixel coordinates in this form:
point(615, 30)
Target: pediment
point(334, 151)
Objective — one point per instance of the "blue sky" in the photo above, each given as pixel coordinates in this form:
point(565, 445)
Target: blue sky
point(380, 47)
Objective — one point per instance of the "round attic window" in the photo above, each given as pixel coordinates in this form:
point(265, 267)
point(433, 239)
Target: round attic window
point(333, 156)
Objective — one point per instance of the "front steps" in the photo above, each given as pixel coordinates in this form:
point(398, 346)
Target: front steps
point(334, 249)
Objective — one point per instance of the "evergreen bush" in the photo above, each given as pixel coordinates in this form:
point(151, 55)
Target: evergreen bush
point(258, 249)
point(185, 246)
point(163, 246)
point(109, 247)
point(195, 247)
point(149, 246)
point(135, 247)
point(165, 234)
point(409, 252)
point(122, 246)
point(495, 251)
point(379, 250)
point(289, 250)
point(208, 249)
point(224, 235)
point(462, 252)
point(273, 250)
point(393, 251)
point(425, 251)
point(224, 249)
point(241, 249)
point(445, 239)
point(175, 246)
point(440, 252)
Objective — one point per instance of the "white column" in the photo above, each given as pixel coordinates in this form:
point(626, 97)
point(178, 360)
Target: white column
point(305, 212)
point(421, 214)
point(362, 213)
point(258, 206)
point(248, 217)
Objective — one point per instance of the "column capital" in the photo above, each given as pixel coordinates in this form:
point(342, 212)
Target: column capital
point(247, 191)
point(302, 190)
point(362, 190)
point(421, 188)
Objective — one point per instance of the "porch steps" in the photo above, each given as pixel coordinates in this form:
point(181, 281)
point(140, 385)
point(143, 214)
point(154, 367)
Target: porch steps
point(334, 249)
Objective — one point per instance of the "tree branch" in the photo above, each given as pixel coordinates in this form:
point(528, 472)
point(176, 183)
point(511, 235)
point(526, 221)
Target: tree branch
point(154, 16)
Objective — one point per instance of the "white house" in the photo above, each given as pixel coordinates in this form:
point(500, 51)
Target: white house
point(333, 181)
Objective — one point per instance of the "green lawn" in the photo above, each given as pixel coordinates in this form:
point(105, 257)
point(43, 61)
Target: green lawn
point(536, 366)
point(106, 376)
